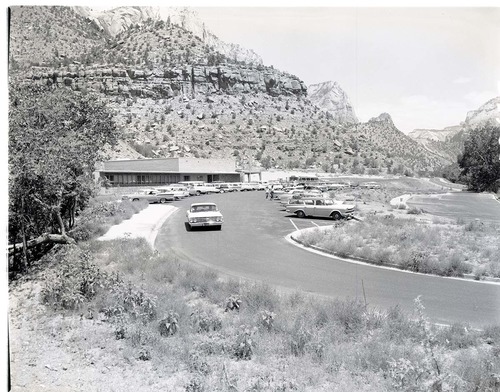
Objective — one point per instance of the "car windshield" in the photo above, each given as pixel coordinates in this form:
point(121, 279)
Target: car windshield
point(203, 208)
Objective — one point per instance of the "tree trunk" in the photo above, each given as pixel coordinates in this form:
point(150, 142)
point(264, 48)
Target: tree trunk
point(44, 238)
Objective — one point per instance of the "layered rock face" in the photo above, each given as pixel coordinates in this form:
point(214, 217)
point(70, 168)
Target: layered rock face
point(437, 135)
point(230, 79)
point(485, 115)
point(329, 96)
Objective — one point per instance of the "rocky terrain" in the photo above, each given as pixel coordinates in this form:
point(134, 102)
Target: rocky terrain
point(448, 142)
point(330, 97)
point(178, 91)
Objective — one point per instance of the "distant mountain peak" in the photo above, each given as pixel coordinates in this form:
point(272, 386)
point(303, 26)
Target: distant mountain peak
point(329, 96)
point(486, 114)
point(384, 117)
point(116, 20)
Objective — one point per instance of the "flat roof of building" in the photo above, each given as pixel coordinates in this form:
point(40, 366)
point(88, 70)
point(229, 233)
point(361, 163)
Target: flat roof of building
point(170, 165)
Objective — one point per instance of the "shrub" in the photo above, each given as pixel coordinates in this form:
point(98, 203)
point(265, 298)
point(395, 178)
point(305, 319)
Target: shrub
point(75, 280)
point(233, 303)
point(266, 320)
point(244, 346)
point(169, 325)
point(206, 322)
point(414, 211)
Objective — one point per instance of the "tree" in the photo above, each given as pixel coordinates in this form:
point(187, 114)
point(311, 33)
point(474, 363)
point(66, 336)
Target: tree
point(480, 160)
point(56, 137)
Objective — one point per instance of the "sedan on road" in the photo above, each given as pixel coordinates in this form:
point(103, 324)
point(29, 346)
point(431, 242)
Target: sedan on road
point(204, 215)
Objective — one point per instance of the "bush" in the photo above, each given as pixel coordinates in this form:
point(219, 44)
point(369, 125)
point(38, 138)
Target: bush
point(75, 280)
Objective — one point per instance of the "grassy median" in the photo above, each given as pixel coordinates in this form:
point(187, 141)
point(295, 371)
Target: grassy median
point(435, 247)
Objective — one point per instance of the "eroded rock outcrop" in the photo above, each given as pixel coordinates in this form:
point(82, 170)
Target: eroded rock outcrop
point(118, 80)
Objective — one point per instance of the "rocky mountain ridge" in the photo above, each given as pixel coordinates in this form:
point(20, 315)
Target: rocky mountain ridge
point(448, 142)
point(329, 96)
point(175, 96)
point(440, 135)
point(186, 80)
point(117, 20)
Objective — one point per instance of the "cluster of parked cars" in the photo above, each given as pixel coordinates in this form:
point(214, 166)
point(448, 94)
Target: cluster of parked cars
point(172, 192)
point(312, 200)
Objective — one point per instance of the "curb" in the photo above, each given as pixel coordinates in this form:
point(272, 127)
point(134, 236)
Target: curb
point(361, 260)
point(148, 229)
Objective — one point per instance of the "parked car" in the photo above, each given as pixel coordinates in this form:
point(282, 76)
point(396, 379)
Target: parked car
point(150, 195)
point(224, 187)
point(284, 197)
point(370, 185)
point(204, 215)
point(249, 186)
point(320, 207)
point(178, 191)
point(201, 189)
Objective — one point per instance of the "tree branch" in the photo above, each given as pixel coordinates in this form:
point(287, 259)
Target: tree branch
point(44, 238)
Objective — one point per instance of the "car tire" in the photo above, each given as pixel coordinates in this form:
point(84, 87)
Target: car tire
point(163, 200)
point(198, 193)
point(135, 199)
point(301, 214)
point(336, 215)
point(219, 227)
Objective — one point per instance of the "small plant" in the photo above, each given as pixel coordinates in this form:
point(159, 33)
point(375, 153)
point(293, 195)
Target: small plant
point(194, 385)
point(414, 211)
point(244, 346)
point(267, 319)
point(169, 325)
point(144, 355)
point(120, 332)
point(233, 303)
point(205, 322)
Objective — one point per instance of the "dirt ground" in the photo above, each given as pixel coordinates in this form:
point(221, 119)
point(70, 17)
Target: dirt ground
point(57, 352)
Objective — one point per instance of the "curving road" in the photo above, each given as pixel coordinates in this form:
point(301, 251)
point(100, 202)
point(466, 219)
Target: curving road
point(252, 245)
point(465, 205)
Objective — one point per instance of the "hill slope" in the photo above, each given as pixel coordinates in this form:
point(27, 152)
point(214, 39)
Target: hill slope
point(175, 95)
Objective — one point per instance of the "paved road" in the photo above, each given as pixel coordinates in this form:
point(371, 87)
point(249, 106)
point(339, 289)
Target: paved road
point(465, 205)
point(252, 245)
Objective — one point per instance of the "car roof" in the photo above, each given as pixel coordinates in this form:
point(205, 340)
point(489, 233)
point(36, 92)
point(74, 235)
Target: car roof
point(203, 204)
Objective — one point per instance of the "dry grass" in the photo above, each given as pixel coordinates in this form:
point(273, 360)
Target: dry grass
point(429, 247)
point(272, 342)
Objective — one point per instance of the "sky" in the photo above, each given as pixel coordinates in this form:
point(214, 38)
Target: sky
point(426, 67)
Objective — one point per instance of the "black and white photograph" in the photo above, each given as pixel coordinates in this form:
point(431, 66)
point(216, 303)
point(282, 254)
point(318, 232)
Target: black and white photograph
point(252, 197)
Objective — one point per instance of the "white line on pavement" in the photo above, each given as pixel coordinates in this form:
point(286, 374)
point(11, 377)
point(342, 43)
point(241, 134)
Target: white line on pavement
point(315, 224)
point(294, 225)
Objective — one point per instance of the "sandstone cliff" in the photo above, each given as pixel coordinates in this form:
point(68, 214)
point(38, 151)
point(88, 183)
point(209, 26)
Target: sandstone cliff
point(329, 96)
point(116, 80)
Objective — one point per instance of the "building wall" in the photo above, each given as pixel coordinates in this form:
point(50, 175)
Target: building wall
point(153, 172)
point(194, 165)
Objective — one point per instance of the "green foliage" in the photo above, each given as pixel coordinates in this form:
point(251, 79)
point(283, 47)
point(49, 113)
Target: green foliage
point(480, 160)
point(56, 138)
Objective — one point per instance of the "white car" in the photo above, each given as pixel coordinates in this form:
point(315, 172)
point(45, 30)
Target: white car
point(204, 215)
point(178, 191)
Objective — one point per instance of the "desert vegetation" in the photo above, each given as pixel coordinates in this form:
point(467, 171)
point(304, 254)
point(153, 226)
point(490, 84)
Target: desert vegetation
point(436, 247)
point(203, 332)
